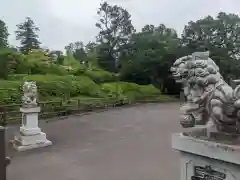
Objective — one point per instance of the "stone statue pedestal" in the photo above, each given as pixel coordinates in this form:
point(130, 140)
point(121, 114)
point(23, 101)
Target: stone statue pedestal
point(30, 135)
point(206, 159)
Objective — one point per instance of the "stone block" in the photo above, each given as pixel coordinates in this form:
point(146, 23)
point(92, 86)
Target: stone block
point(23, 142)
point(207, 160)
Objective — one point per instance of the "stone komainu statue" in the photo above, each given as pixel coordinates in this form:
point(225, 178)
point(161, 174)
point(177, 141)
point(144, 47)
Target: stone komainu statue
point(210, 100)
point(29, 98)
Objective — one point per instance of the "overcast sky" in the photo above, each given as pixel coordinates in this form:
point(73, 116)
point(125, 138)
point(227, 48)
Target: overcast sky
point(65, 21)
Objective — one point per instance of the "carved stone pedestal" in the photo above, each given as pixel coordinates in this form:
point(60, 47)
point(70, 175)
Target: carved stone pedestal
point(207, 160)
point(30, 135)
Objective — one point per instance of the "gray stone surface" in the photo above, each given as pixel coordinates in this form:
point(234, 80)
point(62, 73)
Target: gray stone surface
point(24, 143)
point(122, 144)
point(198, 153)
point(211, 149)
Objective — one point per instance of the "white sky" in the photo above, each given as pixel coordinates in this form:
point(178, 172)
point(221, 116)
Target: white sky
point(65, 21)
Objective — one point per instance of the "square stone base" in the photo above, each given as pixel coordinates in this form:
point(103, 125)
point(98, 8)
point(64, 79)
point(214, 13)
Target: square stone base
point(202, 159)
point(23, 142)
point(30, 131)
point(30, 109)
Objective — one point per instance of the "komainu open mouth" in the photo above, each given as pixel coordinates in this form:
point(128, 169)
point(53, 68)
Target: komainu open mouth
point(177, 77)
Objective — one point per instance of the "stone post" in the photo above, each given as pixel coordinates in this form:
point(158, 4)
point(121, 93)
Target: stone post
point(30, 135)
point(2, 154)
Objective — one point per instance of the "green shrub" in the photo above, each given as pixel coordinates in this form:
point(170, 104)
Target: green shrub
point(70, 61)
point(85, 86)
point(148, 90)
point(10, 92)
point(50, 85)
point(43, 68)
point(17, 77)
point(55, 69)
point(63, 86)
point(130, 91)
point(78, 72)
point(11, 62)
point(100, 76)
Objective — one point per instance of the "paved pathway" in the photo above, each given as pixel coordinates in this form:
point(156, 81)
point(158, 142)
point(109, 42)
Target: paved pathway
point(121, 144)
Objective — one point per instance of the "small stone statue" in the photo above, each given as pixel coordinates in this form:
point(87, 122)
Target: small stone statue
point(29, 98)
point(210, 100)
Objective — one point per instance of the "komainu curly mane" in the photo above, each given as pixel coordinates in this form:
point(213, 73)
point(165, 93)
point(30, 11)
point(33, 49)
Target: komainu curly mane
point(210, 100)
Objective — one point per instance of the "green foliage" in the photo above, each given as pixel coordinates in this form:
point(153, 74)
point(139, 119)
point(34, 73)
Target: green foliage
point(60, 60)
point(77, 50)
point(92, 59)
point(69, 86)
point(115, 29)
point(10, 92)
point(36, 62)
point(149, 55)
point(138, 57)
point(85, 86)
point(100, 76)
point(106, 60)
point(3, 66)
point(62, 86)
point(11, 62)
point(38, 55)
point(71, 62)
point(50, 85)
point(148, 90)
point(26, 33)
point(220, 36)
point(3, 35)
point(54, 69)
point(16, 77)
point(78, 72)
point(131, 91)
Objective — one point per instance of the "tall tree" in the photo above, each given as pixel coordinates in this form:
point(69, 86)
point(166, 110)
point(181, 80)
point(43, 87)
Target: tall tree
point(69, 48)
point(150, 55)
point(3, 34)
point(79, 52)
point(91, 54)
point(27, 34)
point(90, 47)
point(221, 36)
point(77, 49)
point(115, 30)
